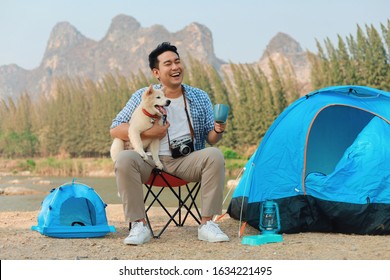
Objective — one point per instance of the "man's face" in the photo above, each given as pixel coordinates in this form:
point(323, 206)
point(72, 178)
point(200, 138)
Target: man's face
point(170, 70)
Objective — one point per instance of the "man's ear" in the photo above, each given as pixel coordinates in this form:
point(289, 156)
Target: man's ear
point(156, 73)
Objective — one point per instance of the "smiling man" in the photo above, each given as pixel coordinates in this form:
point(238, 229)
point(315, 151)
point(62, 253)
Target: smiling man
point(190, 120)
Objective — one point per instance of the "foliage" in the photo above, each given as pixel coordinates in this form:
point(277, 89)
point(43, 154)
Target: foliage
point(229, 153)
point(235, 164)
point(28, 165)
point(360, 60)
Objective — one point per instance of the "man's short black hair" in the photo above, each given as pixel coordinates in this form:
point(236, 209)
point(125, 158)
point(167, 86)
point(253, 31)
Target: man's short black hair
point(162, 48)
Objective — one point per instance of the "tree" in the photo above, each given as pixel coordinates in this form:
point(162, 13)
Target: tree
point(364, 62)
point(346, 69)
point(377, 63)
point(278, 90)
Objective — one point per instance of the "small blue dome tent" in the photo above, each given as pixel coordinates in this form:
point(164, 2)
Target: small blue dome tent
point(326, 162)
point(73, 210)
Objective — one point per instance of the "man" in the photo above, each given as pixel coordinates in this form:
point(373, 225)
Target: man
point(190, 117)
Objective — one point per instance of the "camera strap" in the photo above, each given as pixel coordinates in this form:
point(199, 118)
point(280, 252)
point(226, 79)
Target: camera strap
point(188, 119)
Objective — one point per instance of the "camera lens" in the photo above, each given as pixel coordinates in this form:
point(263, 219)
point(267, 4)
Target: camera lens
point(185, 150)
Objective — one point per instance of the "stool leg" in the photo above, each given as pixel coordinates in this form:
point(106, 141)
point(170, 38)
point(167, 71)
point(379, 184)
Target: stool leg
point(180, 223)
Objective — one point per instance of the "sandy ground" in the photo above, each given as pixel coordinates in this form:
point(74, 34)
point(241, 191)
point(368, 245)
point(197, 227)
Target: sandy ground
point(19, 242)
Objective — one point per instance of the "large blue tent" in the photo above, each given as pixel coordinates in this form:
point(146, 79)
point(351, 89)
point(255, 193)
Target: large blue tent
point(326, 162)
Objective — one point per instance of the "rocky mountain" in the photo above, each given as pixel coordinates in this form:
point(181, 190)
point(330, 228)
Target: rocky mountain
point(124, 49)
point(287, 52)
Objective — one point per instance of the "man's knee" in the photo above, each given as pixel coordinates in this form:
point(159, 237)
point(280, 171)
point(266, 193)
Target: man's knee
point(216, 155)
point(125, 160)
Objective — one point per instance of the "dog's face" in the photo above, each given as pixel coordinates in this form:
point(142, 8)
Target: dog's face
point(154, 100)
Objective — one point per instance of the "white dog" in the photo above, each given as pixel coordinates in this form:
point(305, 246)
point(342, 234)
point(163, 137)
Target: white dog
point(150, 110)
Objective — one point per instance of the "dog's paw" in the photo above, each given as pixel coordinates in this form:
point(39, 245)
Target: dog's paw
point(143, 155)
point(159, 165)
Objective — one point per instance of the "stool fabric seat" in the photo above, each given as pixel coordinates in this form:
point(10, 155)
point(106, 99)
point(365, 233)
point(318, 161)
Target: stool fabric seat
point(158, 182)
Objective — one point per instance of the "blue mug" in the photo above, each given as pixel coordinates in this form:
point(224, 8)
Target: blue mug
point(221, 112)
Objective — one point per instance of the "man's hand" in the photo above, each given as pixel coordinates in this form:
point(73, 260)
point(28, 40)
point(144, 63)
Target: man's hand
point(156, 131)
point(216, 134)
point(219, 127)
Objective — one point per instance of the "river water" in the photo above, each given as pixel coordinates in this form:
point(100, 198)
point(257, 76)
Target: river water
point(105, 187)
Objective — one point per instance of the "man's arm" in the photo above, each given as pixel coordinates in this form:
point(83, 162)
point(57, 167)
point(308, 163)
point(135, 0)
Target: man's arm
point(213, 137)
point(156, 131)
point(121, 131)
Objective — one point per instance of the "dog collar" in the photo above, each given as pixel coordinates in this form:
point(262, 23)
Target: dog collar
point(153, 117)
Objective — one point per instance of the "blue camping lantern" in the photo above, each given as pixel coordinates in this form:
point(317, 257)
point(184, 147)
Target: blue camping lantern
point(269, 218)
point(269, 226)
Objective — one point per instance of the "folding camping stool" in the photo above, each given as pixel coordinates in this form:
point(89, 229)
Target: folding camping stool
point(186, 206)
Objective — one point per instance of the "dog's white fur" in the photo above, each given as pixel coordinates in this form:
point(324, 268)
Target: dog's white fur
point(153, 101)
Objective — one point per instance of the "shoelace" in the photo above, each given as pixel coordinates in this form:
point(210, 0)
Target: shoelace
point(213, 227)
point(136, 228)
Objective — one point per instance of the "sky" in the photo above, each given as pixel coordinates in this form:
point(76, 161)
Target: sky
point(241, 29)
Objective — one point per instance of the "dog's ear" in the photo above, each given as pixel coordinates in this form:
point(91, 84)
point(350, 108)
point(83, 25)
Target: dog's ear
point(162, 89)
point(149, 91)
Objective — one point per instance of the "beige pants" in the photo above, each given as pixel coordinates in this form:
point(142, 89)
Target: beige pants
point(206, 166)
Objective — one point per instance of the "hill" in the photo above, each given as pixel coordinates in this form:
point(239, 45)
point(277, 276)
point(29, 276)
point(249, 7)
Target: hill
point(124, 49)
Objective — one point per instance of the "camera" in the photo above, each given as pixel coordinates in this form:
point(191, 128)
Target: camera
point(182, 146)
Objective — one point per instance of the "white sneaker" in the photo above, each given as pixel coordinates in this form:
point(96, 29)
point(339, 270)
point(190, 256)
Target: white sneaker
point(211, 232)
point(139, 234)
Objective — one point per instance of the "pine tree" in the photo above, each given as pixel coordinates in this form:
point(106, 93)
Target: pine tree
point(361, 57)
point(199, 77)
point(221, 95)
point(347, 73)
point(377, 65)
point(335, 77)
point(386, 36)
point(321, 68)
point(315, 73)
point(278, 90)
